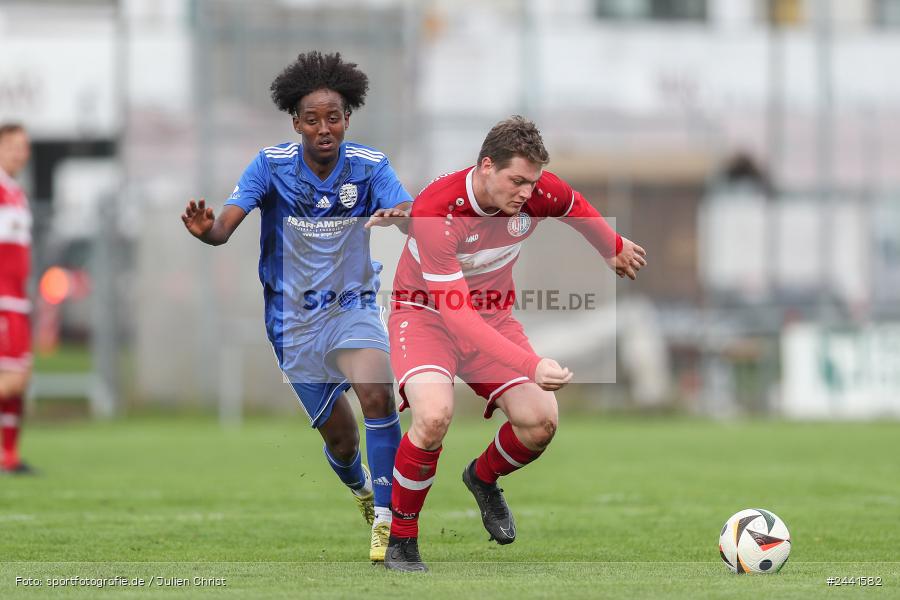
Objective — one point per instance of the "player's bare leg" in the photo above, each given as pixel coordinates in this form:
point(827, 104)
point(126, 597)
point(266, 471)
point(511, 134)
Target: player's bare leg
point(430, 397)
point(341, 435)
point(369, 372)
point(13, 385)
point(532, 415)
point(340, 431)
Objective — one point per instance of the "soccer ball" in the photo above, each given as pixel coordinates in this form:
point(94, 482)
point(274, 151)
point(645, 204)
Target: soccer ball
point(754, 541)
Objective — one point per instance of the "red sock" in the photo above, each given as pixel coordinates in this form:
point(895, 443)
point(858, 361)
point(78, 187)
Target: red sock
point(414, 471)
point(503, 456)
point(10, 417)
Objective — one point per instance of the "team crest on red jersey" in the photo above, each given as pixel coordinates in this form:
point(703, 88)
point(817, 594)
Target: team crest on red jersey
point(519, 224)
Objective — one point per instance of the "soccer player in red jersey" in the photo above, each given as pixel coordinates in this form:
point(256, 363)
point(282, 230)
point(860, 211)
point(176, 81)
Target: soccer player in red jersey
point(452, 316)
point(15, 260)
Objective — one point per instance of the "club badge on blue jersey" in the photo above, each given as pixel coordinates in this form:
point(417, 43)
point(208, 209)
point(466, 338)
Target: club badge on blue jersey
point(313, 244)
point(348, 195)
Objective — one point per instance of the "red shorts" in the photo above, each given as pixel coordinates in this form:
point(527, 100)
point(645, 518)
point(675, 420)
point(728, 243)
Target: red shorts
point(15, 341)
point(420, 342)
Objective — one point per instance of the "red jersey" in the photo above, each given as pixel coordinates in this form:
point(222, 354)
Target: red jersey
point(15, 246)
point(459, 259)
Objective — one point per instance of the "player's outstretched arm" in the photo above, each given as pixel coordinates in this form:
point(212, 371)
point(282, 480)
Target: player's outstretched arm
point(385, 217)
point(631, 259)
point(550, 376)
point(201, 222)
point(622, 255)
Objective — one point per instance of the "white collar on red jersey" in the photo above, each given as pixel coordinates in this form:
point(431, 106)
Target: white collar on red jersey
point(471, 193)
point(7, 180)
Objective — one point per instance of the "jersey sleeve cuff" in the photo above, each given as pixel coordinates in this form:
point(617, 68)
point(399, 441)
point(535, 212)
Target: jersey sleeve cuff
point(619, 245)
point(241, 206)
point(531, 368)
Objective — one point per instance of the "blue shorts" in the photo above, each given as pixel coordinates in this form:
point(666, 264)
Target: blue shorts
point(310, 367)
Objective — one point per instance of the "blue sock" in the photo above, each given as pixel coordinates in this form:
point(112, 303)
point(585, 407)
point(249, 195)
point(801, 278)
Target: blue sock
point(352, 475)
point(382, 438)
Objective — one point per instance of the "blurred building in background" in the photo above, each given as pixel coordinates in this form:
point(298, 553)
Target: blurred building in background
point(749, 145)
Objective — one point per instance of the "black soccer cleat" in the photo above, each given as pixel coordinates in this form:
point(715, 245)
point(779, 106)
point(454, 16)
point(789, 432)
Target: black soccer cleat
point(19, 468)
point(403, 555)
point(495, 513)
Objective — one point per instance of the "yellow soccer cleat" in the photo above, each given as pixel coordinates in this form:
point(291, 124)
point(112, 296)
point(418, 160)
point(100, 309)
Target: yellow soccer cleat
point(381, 531)
point(365, 500)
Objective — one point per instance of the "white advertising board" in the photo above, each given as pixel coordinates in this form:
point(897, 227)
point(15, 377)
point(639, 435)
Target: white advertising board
point(59, 85)
point(831, 373)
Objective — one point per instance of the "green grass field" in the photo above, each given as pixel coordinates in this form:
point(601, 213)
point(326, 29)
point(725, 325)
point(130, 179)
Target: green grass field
point(616, 508)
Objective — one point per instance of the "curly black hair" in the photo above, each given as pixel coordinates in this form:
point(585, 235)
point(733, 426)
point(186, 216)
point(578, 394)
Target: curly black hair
point(315, 71)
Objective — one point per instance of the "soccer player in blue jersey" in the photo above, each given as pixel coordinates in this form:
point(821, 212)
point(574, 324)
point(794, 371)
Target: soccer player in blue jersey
point(318, 199)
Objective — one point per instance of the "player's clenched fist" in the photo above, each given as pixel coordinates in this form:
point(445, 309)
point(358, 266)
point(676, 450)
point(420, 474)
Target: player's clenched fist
point(550, 376)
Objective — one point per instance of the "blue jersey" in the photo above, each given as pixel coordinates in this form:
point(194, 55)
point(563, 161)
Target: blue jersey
point(314, 251)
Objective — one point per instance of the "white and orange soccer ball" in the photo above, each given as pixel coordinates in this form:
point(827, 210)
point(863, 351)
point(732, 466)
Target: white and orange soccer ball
point(755, 541)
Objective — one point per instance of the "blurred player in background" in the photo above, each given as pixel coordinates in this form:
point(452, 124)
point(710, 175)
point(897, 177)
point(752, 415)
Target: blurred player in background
point(319, 280)
point(452, 316)
point(15, 260)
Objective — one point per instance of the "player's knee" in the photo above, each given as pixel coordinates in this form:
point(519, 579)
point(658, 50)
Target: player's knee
point(431, 429)
point(343, 447)
point(344, 453)
point(376, 400)
point(542, 434)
